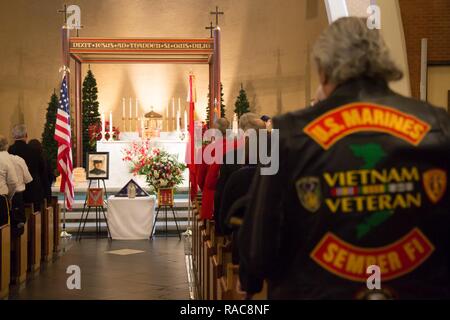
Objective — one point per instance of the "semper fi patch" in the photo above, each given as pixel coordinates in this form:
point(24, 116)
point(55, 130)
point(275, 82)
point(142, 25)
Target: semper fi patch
point(351, 262)
point(358, 117)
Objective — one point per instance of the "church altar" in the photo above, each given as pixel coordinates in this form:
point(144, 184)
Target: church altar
point(119, 170)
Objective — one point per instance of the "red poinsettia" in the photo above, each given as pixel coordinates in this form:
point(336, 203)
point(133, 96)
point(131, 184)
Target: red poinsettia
point(95, 133)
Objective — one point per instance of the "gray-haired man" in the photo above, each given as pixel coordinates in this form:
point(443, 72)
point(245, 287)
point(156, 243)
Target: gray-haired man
point(363, 181)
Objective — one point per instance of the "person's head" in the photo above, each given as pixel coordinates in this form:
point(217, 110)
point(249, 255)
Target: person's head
point(268, 121)
point(3, 143)
point(222, 124)
point(253, 134)
point(347, 50)
point(36, 146)
point(19, 132)
point(244, 120)
point(98, 164)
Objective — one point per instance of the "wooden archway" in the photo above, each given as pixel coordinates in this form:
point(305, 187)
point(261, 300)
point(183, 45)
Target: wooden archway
point(141, 50)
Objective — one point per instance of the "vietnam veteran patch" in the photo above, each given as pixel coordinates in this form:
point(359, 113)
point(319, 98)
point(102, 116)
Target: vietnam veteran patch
point(350, 262)
point(358, 117)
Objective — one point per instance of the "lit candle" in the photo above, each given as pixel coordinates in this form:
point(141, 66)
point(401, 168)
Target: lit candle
point(131, 103)
point(110, 125)
point(173, 106)
point(173, 112)
point(123, 108)
point(136, 108)
point(185, 121)
point(103, 124)
point(167, 117)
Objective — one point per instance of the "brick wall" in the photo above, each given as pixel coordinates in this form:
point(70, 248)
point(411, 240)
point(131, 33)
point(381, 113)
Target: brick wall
point(425, 19)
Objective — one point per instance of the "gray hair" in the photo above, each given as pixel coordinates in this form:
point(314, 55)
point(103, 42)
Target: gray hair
point(222, 124)
point(3, 143)
point(245, 119)
point(349, 49)
point(19, 131)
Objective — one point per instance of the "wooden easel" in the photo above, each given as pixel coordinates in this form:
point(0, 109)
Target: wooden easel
point(166, 201)
point(99, 209)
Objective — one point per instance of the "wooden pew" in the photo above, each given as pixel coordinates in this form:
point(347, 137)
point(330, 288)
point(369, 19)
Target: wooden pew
point(200, 272)
point(261, 295)
point(47, 235)
point(34, 242)
point(203, 238)
point(211, 249)
point(5, 260)
point(228, 284)
point(56, 223)
point(19, 255)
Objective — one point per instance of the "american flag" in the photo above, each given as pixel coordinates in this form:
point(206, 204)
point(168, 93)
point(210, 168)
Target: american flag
point(63, 137)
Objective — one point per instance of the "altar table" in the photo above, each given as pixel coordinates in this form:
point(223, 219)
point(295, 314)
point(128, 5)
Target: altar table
point(131, 219)
point(119, 170)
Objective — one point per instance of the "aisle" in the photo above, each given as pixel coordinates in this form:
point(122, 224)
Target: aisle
point(159, 272)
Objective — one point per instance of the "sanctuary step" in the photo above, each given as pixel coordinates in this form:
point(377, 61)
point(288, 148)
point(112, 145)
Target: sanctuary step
point(73, 217)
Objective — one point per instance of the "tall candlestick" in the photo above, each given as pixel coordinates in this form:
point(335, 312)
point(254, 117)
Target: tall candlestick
point(137, 116)
point(123, 115)
point(178, 121)
point(136, 108)
point(179, 105)
point(103, 126)
point(131, 111)
point(167, 118)
point(173, 112)
point(110, 126)
point(185, 121)
point(130, 116)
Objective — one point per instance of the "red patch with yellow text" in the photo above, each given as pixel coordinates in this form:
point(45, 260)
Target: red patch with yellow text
point(357, 117)
point(351, 262)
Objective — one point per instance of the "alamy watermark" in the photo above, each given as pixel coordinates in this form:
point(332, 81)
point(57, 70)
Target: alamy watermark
point(74, 280)
point(374, 18)
point(249, 147)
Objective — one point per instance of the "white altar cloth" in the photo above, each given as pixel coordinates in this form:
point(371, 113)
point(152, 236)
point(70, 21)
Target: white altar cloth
point(119, 170)
point(131, 219)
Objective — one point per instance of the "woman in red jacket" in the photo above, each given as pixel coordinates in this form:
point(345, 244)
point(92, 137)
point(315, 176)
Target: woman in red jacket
point(207, 174)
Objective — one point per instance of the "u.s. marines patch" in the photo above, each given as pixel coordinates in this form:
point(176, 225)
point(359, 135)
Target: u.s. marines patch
point(309, 193)
point(359, 117)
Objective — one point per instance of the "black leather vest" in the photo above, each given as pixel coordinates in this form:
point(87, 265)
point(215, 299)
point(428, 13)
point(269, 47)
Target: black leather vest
point(366, 183)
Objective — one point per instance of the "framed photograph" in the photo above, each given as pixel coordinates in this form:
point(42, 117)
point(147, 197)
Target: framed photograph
point(97, 165)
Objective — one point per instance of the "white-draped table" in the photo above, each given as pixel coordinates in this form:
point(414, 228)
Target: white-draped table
point(131, 219)
point(119, 170)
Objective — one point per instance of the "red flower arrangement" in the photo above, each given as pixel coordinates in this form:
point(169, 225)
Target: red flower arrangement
point(162, 169)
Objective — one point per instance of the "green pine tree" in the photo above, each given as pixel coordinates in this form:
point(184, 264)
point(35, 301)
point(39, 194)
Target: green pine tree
point(49, 144)
point(242, 105)
point(222, 105)
point(91, 115)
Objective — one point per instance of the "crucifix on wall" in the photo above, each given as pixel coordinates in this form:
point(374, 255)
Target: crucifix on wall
point(217, 13)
